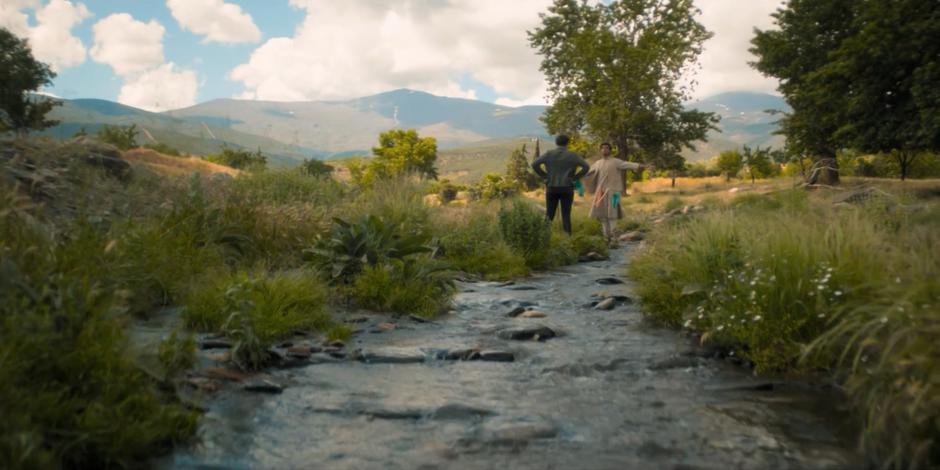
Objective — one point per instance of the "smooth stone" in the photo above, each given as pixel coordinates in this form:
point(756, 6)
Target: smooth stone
point(222, 373)
point(302, 352)
point(516, 312)
point(606, 304)
point(679, 362)
point(392, 355)
point(522, 288)
point(518, 303)
point(633, 236)
point(418, 319)
point(521, 433)
point(608, 281)
point(593, 256)
point(497, 356)
point(457, 411)
point(532, 314)
point(537, 333)
point(263, 386)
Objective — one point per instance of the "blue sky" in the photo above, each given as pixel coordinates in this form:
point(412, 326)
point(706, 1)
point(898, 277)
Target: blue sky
point(160, 55)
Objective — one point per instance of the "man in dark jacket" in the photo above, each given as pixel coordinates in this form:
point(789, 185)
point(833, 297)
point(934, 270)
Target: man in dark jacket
point(562, 169)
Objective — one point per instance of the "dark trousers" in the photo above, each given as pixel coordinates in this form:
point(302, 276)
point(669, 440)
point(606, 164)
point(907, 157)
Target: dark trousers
point(563, 196)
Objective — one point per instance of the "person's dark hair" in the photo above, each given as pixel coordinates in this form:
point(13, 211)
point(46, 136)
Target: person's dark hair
point(562, 140)
point(607, 144)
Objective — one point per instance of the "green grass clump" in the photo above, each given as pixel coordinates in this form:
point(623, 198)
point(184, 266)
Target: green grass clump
point(271, 304)
point(417, 286)
point(71, 396)
point(526, 230)
point(781, 279)
point(673, 203)
point(472, 243)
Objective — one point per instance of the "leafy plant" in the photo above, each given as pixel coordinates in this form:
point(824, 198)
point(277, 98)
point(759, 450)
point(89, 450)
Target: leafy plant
point(526, 231)
point(368, 242)
point(420, 286)
point(122, 137)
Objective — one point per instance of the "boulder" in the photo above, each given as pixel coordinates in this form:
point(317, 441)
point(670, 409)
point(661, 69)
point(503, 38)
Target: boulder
point(532, 314)
point(608, 281)
point(393, 355)
point(633, 236)
point(263, 386)
point(606, 304)
point(516, 312)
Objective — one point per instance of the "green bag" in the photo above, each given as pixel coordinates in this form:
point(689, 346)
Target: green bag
point(579, 187)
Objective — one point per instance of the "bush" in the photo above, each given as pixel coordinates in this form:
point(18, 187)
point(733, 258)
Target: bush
point(673, 204)
point(810, 288)
point(370, 241)
point(122, 137)
point(240, 159)
point(257, 308)
point(70, 397)
point(315, 168)
point(164, 149)
point(473, 244)
point(526, 231)
point(493, 187)
point(419, 286)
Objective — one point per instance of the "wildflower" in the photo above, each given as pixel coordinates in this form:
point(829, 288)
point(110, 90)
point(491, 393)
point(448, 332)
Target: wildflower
point(700, 316)
point(838, 293)
point(773, 278)
point(884, 320)
point(687, 323)
point(820, 287)
point(753, 295)
point(754, 282)
point(897, 280)
point(721, 327)
point(821, 315)
point(757, 317)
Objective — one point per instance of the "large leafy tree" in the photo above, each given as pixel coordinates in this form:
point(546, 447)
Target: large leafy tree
point(615, 72)
point(21, 74)
point(400, 152)
point(890, 71)
point(857, 73)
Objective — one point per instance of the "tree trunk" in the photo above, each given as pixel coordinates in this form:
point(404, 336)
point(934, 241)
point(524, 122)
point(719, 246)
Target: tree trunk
point(673, 174)
point(824, 172)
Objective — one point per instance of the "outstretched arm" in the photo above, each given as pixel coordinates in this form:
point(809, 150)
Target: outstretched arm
point(581, 169)
point(625, 165)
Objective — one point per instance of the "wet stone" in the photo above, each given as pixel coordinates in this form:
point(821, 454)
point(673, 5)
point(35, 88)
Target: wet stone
point(532, 314)
point(497, 356)
point(455, 411)
point(262, 386)
point(678, 362)
point(302, 351)
point(518, 433)
point(517, 303)
point(215, 344)
point(633, 236)
point(392, 356)
point(516, 312)
point(606, 304)
point(593, 256)
point(608, 281)
point(222, 373)
point(536, 333)
point(522, 288)
point(418, 319)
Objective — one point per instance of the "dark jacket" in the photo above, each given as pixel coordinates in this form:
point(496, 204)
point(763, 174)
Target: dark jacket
point(562, 167)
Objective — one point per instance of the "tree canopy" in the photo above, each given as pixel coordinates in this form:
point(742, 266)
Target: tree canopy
point(615, 72)
point(400, 152)
point(21, 74)
point(858, 74)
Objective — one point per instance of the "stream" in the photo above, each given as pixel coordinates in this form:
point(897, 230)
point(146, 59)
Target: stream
point(609, 391)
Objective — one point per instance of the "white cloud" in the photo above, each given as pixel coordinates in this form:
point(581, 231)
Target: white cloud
point(347, 49)
point(216, 20)
point(52, 40)
point(159, 89)
point(12, 16)
point(127, 45)
point(725, 59)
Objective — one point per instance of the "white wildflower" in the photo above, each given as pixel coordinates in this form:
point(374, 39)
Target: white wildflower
point(721, 327)
point(838, 293)
point(884, 319)
point(757, 317)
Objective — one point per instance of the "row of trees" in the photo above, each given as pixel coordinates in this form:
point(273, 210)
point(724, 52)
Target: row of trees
point(858, 74)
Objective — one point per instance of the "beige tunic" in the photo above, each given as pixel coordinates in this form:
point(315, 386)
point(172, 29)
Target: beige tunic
point(605, 178)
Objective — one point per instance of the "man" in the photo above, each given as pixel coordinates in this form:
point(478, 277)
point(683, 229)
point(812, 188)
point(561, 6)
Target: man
point(562, 169)
point(606, 180)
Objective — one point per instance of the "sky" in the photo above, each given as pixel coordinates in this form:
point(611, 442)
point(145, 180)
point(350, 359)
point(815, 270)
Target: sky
point(170, 54)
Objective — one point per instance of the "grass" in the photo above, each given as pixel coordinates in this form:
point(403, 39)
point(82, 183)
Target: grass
point(851, 290)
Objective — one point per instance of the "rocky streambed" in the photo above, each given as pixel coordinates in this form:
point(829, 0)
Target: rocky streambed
point(554, 371)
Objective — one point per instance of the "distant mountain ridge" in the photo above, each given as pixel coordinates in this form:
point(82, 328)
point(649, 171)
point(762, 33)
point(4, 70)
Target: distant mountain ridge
point(292, 131)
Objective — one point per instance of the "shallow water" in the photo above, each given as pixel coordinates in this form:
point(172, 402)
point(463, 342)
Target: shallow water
point(611, 392)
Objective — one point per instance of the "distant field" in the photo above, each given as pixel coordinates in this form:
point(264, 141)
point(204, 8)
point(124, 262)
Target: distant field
point(469, 164)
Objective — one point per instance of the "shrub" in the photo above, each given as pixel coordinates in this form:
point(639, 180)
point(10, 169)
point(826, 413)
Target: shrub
point(164, 149)
point(810, 288)
point(370, 241)
point(70, 397)
point(673, 204)
point(492, 187)
point(122, 137)
point(473, 244)
point(315, 168)
point(420, 286)
point(257, 308)
point(240, 159)
point(526, 231)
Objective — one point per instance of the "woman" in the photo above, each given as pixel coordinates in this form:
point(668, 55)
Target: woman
point(606, 180)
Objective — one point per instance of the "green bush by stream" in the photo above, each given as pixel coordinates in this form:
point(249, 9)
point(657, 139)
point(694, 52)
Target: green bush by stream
point(789, 281)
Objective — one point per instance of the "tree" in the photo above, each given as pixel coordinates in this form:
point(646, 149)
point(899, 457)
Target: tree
point(400, 152)
point(240, 159)
point(890, 67)
point(757, 161)
point(21, 74)
point(808, 33)
point(315, 168)
point(730, 163)
point(615, 71)
point(519, 172)
point(122, 137)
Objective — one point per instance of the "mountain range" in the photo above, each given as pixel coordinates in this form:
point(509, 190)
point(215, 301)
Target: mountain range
point(292, 131)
